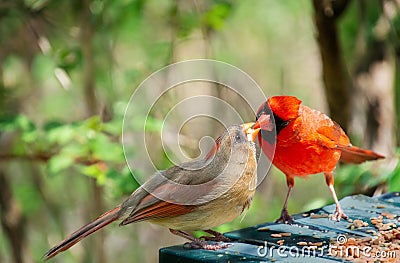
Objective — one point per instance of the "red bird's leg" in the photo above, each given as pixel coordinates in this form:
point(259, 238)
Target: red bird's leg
point(339, 214)
point(285, 217)
point(217, 236)
point(197, 243)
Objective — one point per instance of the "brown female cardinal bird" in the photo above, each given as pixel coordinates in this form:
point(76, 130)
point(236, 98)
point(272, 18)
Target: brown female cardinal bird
point(197, 195)
point(306, 141)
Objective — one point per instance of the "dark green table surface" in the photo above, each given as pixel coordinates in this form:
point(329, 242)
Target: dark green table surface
point(249, 243)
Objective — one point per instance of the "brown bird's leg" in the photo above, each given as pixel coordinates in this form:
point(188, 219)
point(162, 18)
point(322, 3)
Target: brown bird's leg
point(197, 243)
point(285, 217)
point(217, 236)
point(339, 214)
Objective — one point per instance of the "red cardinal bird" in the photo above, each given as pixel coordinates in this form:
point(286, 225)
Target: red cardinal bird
point(306, 142)
point(221, 188)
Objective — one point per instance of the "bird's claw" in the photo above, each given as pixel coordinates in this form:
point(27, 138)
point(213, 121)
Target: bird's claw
point(285, 218)
point(218, 238)
point(204, 245)
point(339, 214)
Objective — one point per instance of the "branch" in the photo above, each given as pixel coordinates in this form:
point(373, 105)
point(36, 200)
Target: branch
point(41, 157)
point(44, 157)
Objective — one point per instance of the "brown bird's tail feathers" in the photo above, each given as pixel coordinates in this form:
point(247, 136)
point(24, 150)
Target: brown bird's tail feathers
point(78, 235)
point(357, 155)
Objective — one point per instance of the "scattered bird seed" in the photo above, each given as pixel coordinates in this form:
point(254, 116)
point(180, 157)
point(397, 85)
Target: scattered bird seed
point(263, 229)
point(314, 216)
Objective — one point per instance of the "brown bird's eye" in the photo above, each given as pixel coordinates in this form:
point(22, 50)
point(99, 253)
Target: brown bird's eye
point(237, 137)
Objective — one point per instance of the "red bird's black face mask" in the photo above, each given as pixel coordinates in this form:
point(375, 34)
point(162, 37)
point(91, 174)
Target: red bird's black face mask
point(277, 124)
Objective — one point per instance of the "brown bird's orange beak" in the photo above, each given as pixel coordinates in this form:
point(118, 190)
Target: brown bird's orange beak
point(264, 123)
point(250, 131)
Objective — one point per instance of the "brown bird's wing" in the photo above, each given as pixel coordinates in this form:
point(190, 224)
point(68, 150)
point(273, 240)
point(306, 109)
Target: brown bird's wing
point(157, 205)
point(170, 195)
point(161, 209)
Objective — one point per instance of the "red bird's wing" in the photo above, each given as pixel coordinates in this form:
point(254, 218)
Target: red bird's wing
point(330, 136)
point(327, 132)
point(333, 136)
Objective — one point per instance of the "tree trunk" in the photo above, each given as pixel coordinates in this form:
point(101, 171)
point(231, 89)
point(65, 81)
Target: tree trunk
point(92, 108)
point(334, 72)
point(12, 220)
point(374, 82)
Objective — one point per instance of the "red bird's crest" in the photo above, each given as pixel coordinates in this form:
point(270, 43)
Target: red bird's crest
point(285, 107)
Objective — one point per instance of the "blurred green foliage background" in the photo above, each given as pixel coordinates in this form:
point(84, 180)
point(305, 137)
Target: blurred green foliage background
point(68, 69)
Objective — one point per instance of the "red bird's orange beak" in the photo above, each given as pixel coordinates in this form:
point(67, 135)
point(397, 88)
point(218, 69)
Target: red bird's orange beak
point(264, 123)
point(250, 131)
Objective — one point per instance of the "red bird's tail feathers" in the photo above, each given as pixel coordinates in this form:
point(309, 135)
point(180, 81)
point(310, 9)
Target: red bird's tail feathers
point(83, 232)
point(357, 155)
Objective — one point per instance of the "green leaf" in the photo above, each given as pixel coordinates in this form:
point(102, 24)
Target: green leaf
point(215, 18)
point(96, 172)
point(61, 135)
point(52, 125)
point(188, 22)
point(394, 181)
point(124, 182)
point(25, 124)
point(59, 163)
point(30, 136)
point(93, 123)
point(8, 123)
point(69, 58)
point(102, 148)
point(20, 123)
point(113, 127)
